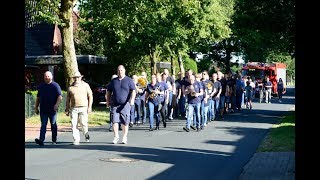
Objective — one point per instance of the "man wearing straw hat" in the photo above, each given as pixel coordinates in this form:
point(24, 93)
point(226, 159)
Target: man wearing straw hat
point(78, 105)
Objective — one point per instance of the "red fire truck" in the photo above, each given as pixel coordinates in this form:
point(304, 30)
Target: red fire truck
point(260, 71)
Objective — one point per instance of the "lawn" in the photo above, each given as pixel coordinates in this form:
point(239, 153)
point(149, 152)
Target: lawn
point(281, 138)
point(99, 116)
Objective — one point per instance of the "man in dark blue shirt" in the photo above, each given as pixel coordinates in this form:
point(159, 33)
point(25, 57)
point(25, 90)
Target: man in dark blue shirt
point(123, 92)
point(49, 97)
point(193, 92)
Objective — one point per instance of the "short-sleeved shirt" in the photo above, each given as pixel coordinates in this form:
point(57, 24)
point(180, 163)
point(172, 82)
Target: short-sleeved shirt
point(163, 87)
point(217, 86)
point(143, 94)
point(170, 81)
point(223, 82)
point(280, 86)
point(208, 87)
point(202, 86)
point(178, 85)
point(239, 86)
point(248, 90)
point(150, 88)
point(48, 95)
point(121, 90)
point(268, 83)
point(192, 99)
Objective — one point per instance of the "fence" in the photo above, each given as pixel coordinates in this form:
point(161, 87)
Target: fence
point(30, 101)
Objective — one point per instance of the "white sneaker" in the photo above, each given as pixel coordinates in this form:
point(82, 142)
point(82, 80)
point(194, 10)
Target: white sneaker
point(124, 140)
point(76, 143)
point(115, 140)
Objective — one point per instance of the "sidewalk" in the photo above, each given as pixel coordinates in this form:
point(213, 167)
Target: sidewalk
point(33, 131)
point(270, 166)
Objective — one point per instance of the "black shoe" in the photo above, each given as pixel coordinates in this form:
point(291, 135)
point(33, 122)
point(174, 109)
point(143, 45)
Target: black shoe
point(192, 127)
point(186, 129)
point(87, 137)
point(164, 124)
point(110, 129)
point(40, 143)
point(151, 129)
point(130, 124)
point(157, 128)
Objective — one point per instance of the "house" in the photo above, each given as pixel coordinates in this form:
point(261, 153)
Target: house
point(43, 51)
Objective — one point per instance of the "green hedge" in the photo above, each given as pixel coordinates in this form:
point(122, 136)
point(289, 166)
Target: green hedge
point(30, 100)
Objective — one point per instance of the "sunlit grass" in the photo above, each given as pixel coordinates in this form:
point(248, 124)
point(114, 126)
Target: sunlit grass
point(99, 116)
point(281, 137)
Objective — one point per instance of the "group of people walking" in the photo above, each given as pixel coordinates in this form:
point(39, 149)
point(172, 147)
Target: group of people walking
point(195, 97)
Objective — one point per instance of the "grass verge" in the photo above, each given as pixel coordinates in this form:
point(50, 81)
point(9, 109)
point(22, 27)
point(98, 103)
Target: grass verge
point(99, 116)
point(281, 138)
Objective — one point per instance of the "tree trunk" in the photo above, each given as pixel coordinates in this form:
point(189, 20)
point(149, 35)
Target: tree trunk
point(70, 63)
point(181, 64)
point(228, 58)
point(153, 60)
point(173, 66)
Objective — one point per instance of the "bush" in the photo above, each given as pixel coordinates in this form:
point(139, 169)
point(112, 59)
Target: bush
point(30, 102)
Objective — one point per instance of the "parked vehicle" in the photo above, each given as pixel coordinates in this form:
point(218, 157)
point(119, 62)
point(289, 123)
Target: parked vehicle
point(99, 95)
point(98, 92)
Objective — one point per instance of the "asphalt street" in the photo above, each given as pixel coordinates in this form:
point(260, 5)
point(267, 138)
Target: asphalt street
point(220, 151)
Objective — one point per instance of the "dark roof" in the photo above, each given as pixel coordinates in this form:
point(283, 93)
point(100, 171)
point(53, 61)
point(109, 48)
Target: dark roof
point(57, 59)
point(38, 34)
point(31, 45)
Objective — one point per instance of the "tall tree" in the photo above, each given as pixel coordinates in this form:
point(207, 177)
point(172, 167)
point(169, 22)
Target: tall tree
point(158, 28)
point(264, 27)
point(60, 13)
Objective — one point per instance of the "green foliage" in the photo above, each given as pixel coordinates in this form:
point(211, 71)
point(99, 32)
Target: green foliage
point(128, 31)
point(235, 68)
point(204, 64)
point(264, 26)
point(281, 137)
point(190, 64)
point(45, 10)
point(284, 58)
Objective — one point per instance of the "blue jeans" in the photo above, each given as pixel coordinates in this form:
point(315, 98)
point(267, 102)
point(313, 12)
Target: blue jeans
point(144, 110)
point(191, 109)
point(242, 99)
point(44, 121)
point(176, 110)
point(222, 101)
point(216, 107)
point(204, 114)
point(238, 100)
point(135, 111)
point(182, 103)
point(169, 106)
point(211, 110)
point(154, 111)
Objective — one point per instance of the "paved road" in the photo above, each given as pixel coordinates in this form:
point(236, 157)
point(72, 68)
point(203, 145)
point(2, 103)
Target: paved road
point(218, 152)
